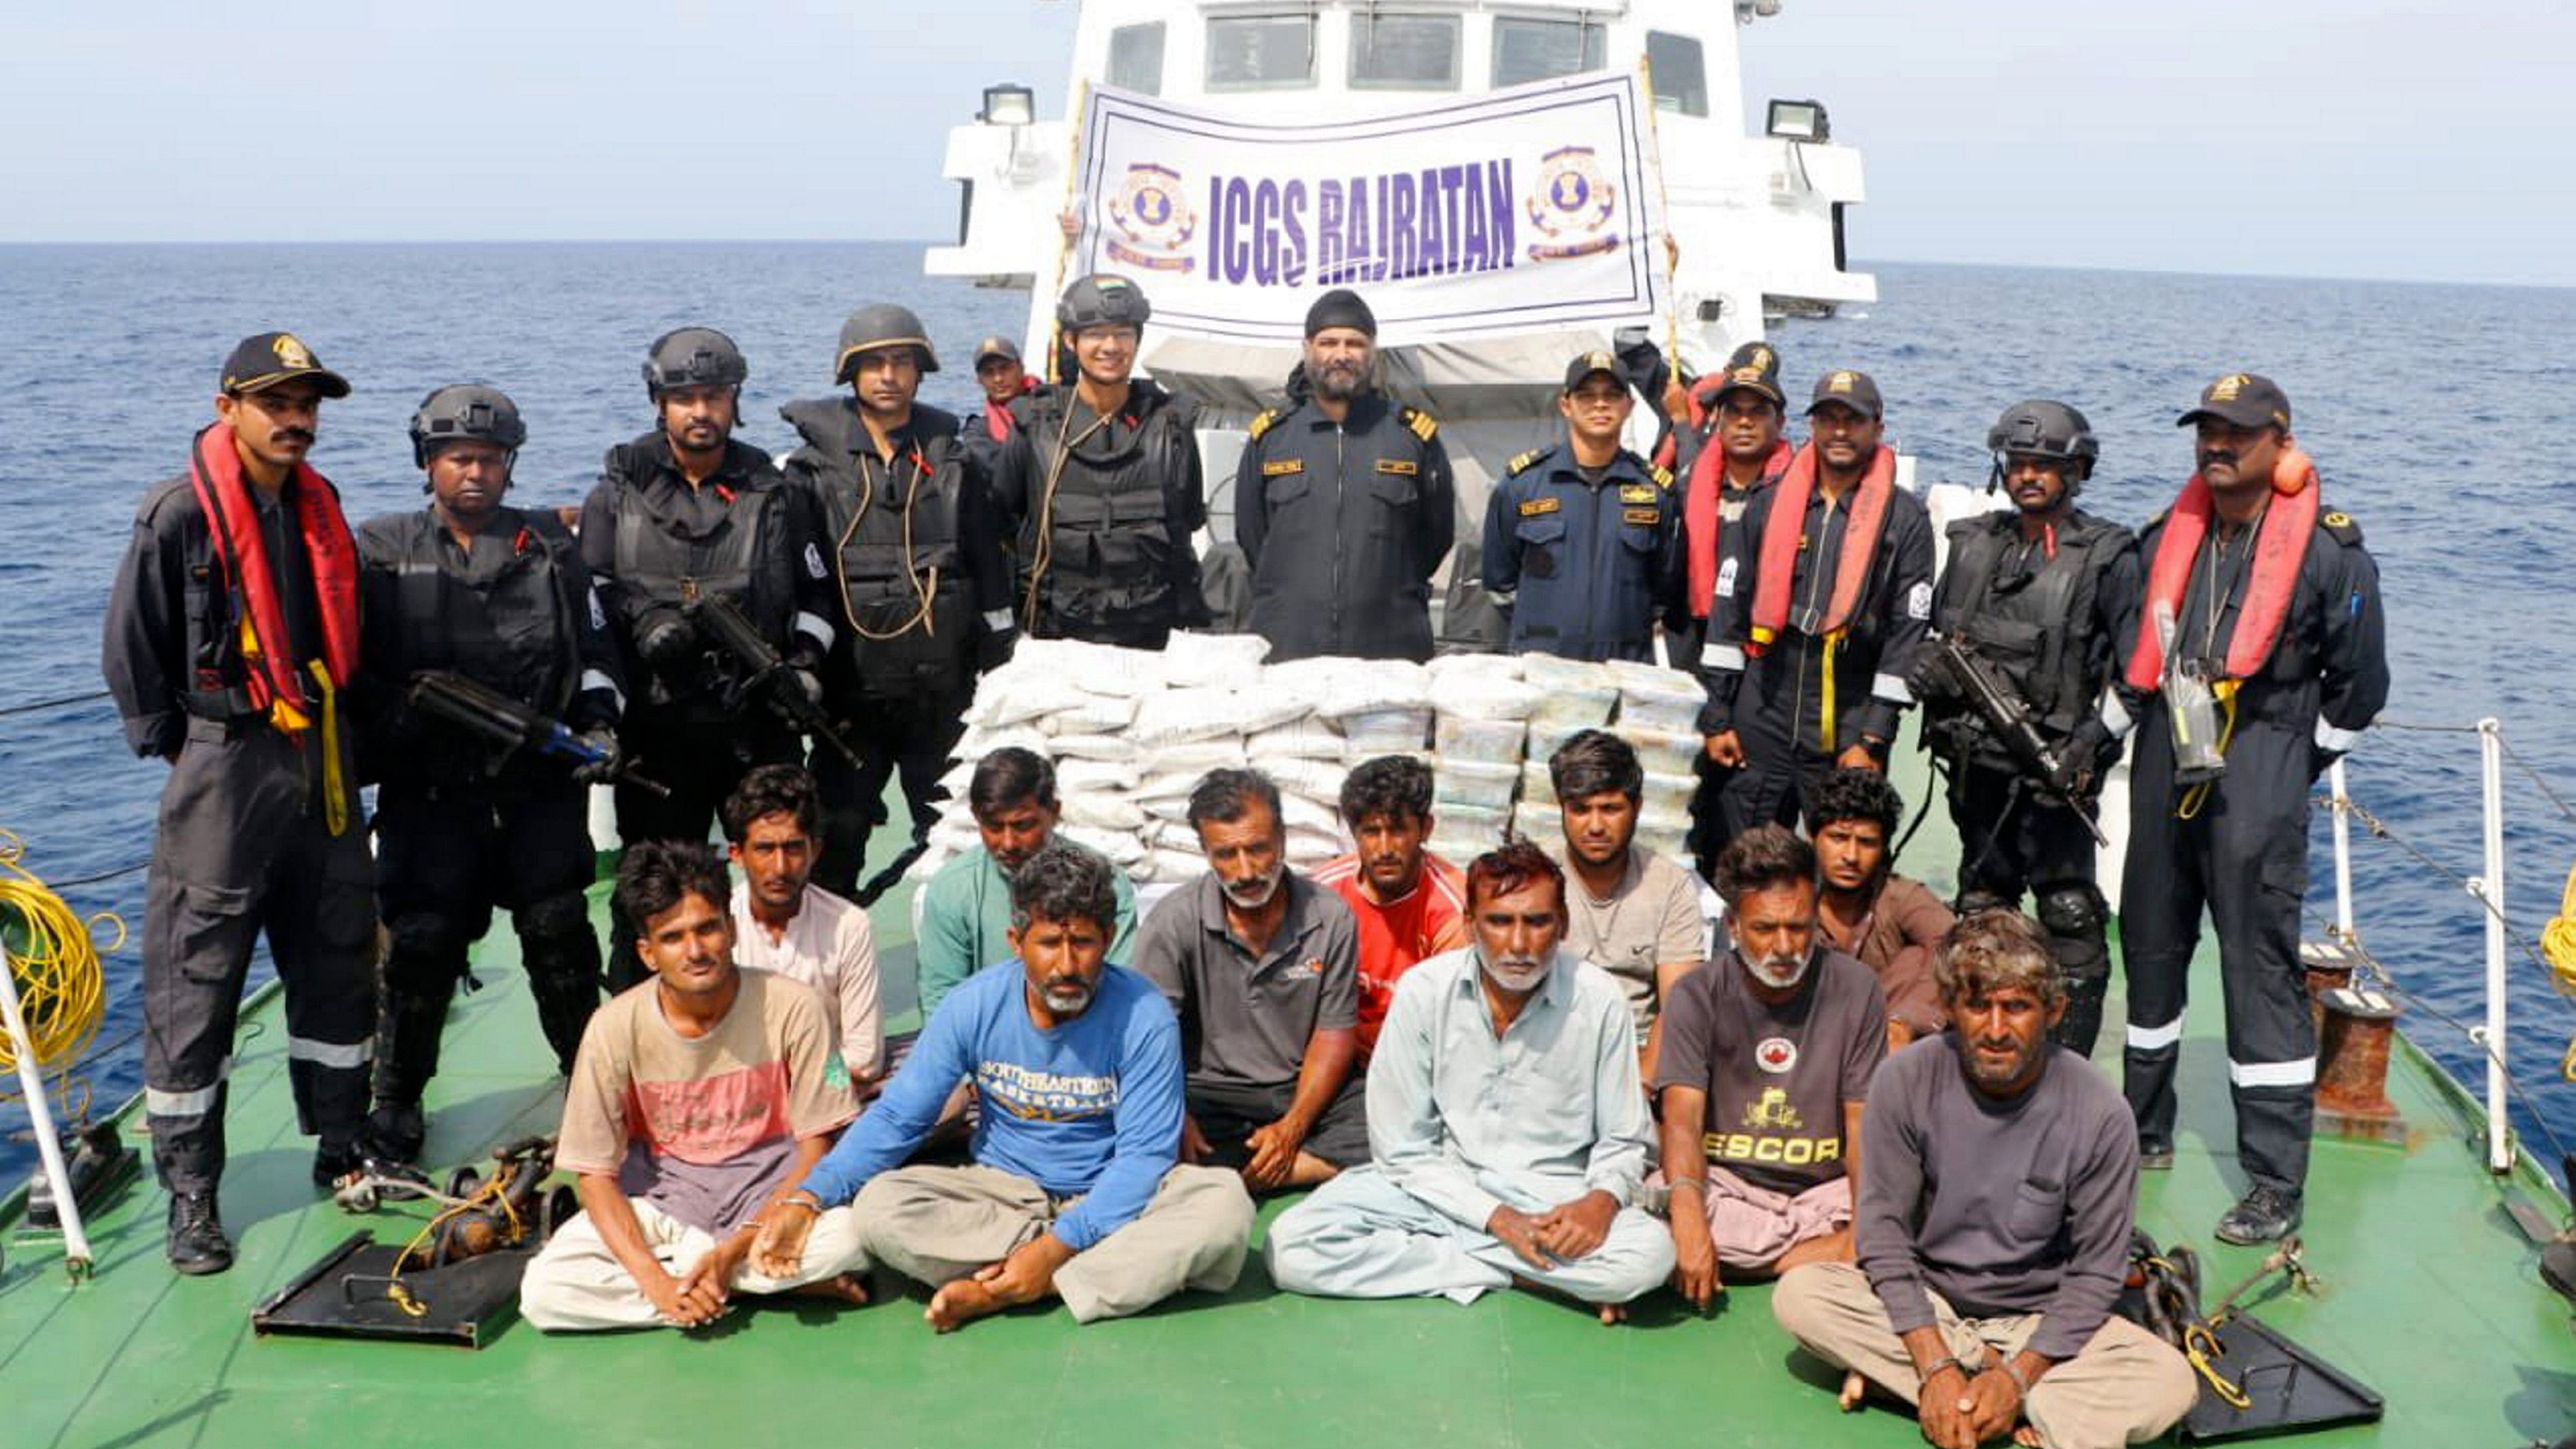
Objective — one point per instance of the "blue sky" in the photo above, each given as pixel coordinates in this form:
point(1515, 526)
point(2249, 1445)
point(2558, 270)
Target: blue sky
point(2304, 137)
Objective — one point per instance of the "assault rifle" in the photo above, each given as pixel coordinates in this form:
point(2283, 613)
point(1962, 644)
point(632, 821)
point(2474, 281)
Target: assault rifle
point(764, 671)
point(489, 715)
point(2008, 716)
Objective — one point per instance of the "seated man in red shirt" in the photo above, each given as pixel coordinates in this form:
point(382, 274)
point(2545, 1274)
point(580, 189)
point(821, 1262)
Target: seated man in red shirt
point(1411, 904)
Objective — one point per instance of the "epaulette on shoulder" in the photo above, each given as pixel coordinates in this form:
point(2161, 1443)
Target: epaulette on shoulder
point(1265, 422)
point(1662, 475)
point(1525, 462)
point(2340, 524)
point(1421, 423)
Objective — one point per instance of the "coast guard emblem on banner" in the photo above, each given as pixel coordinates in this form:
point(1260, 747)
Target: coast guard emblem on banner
point(1153, 223)
point(1572, 204)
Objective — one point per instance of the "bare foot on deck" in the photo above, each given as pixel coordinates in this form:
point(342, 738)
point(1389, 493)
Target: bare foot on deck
point(1854, 1389)
point(961, 1302)
point(2027, 1437)
point(847, 1288)
point(1613, 1314)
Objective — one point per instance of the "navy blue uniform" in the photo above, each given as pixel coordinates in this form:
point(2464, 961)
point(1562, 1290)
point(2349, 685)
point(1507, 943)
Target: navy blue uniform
point(1584, 564)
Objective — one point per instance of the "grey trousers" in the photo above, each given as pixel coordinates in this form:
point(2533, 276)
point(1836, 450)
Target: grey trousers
point(2126, 1387)
point(938, 1224)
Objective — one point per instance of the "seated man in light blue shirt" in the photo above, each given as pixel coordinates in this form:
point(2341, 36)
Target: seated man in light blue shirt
point(966, 908)
point(1075, 1191)
point(1506, 1120)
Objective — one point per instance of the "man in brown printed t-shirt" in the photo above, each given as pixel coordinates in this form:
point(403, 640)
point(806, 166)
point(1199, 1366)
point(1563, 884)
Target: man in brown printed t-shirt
point(699, 1097)
point(1767, 1056)
point(1892, 923)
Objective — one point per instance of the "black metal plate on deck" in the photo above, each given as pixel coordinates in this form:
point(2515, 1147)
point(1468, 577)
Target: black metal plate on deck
point(2291, 1389)
point(343, 1296)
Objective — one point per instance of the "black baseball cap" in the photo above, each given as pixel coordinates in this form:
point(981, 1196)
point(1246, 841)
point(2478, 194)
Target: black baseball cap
point(996, 346)
point(1588, 363)
point(270, 358)
point(2241, 399)
point(1754, 368)
point(1853, 390)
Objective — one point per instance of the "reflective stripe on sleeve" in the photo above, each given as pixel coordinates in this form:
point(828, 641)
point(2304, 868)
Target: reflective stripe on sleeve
point(1890, 688)
point(1721, 656)
point(814, 627)
point(2336, 741)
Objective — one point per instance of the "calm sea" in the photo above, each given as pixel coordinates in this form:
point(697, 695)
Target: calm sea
point(2435, 412)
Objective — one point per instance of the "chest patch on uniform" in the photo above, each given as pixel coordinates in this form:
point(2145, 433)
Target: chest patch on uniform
point(1534, 507)
point(1401, 467)
point(1636, 492)
point(1647, 516)
point(1281, 467)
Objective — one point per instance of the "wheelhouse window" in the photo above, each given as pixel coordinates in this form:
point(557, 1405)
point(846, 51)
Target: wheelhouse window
point(1260, 52)
point(1136, 58)
point(1531, 50)
point(1680, 76)
point(1404, 52)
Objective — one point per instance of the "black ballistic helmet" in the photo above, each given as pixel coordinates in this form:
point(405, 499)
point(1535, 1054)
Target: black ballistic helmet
point(882, 325)
point(1102, 299)
point(2045, 429)
point(465, 410)
point(693, 357)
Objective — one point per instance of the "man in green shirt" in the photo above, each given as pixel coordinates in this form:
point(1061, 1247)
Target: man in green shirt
point(966, 909)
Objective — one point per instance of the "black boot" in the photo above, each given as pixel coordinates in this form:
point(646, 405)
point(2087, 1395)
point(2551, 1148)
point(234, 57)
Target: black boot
point(2265, 1214)
point(196, 1242)
point(563, 978)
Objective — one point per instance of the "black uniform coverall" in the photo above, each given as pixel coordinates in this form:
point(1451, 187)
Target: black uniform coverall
point(1775, 703)
point(460, 827)
point(1104, 510)
point(242, 847)
point(923, 595)
point(2055, 625)
point(1344, 524)
point(1583, 565)
point(2244, 852)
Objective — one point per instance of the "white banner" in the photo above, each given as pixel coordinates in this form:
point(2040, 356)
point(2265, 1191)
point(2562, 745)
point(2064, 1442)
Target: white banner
point(1527, 209)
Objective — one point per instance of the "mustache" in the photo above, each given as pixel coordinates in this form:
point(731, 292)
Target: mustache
point(292, 435)
point(2217, 455)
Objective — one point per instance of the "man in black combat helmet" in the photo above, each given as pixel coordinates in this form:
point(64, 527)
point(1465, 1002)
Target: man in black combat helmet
point(682, 512)
point(922, 591)
point(2261, 656)
point(1103, 482)
point(232, 628)
point(1343, 503)
point(475, 587)
point(2046, 593)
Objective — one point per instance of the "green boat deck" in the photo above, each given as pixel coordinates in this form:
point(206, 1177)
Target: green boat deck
point(2432, 1298)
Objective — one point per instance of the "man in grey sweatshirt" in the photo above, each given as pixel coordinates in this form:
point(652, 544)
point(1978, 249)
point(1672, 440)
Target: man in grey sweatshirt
point(1993, 1225)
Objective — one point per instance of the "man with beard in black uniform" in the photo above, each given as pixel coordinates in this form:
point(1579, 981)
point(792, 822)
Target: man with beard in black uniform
point(924, 595)
point(472, 586)
point(680, 513)
point(1343, 503)
point(2047, 594)
point(1103, 481)
point(1819, 609)
point(2261, 655)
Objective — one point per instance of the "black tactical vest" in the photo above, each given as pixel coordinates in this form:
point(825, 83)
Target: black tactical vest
point(908, 620)
point(1108, 540)
point(2036, 624)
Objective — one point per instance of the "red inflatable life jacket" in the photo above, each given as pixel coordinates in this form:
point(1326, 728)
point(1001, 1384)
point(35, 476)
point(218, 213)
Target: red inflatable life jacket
point(1702, 519)
point(1785, 530)
point(2280, 547)
point(241, 552)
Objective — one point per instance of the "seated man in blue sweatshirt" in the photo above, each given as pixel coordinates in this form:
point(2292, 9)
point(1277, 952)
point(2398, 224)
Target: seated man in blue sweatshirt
point(1076, 1191)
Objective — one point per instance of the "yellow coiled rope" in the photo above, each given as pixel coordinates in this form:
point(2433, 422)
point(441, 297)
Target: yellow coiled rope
point(62, 992)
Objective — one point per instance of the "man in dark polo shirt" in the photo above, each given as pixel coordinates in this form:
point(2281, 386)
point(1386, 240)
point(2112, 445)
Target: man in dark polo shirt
point(1994, 1227)
point(1262, 967)
point(1767, 1056)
